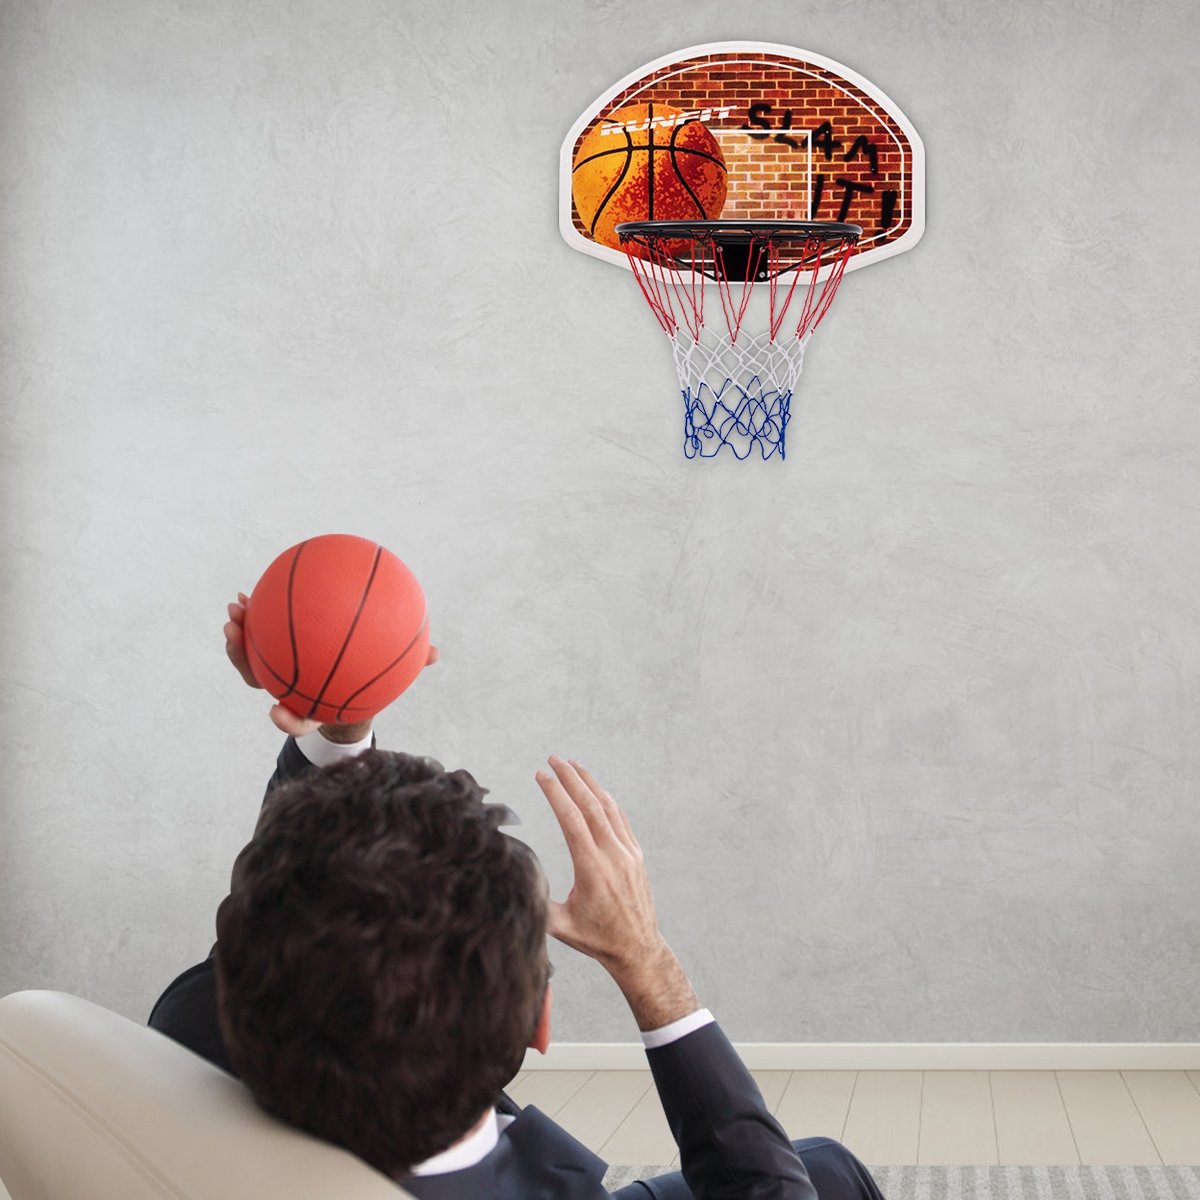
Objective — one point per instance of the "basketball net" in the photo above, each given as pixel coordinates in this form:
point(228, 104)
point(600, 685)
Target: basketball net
point(737, 386)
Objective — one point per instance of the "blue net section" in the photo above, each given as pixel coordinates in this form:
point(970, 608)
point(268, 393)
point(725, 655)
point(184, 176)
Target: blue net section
point(743, 418)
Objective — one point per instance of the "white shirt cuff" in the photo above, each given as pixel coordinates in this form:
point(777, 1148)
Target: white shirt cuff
point(321, 752)
point(653, 1038)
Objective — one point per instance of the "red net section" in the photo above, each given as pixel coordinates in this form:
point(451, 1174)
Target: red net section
point(676, 274)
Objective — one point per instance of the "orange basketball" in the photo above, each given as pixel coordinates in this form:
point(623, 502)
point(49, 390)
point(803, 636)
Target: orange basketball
point(336, 629)
point(641, 163)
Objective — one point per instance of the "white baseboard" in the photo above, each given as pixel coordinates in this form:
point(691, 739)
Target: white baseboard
point(897, 1056)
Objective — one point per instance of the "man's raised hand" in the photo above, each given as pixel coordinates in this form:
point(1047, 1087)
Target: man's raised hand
point(609, 913)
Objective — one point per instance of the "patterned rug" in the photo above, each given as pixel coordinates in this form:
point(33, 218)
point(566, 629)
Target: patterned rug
point(1039, 1183)
point(1007, 1183)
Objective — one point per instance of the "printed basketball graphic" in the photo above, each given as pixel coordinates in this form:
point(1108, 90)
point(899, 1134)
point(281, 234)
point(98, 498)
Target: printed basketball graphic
point(647, 162)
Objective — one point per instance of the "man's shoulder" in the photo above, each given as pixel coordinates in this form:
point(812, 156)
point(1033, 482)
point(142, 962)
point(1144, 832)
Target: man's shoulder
point(187, 1013)
point(535, 1159)
point(534, 1132)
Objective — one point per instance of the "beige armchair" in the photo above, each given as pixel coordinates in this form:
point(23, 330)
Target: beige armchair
point(96, 1107)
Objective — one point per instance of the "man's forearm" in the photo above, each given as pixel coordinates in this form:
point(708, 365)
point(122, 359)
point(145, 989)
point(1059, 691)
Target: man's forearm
point(656, 989)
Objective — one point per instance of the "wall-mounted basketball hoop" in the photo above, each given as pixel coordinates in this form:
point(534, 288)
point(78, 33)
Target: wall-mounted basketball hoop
point(740, 182)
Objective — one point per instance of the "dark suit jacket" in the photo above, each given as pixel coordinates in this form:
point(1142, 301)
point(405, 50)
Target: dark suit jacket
point(731, 1148)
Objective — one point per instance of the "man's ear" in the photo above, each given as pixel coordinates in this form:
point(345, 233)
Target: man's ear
point(541, 1035)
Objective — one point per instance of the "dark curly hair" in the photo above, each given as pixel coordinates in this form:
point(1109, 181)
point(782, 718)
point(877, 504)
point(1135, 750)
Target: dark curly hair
point(381, 957)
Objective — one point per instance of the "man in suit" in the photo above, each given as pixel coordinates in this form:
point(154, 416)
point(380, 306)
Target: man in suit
point(381, 966)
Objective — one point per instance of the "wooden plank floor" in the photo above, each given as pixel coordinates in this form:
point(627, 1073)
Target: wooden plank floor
point(896, 1118)
point(1005, 1118)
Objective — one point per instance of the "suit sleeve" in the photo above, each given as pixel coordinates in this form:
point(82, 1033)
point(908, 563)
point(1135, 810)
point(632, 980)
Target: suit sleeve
point(730, 1147)
point(290, 764)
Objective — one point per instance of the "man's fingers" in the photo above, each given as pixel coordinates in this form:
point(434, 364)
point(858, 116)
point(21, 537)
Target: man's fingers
point(616, 814)
point(235, 649)
point(287, 720)
point(432, 657)
point(593, 808)
point(571, 821)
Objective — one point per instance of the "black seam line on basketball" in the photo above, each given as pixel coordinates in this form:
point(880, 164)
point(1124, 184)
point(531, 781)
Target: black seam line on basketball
point(612, 191)
point(297, 693)
point(679, 175)
point(650, 164)
point(275, 674)
point(348, 704)
point(337, 662)
point(291, 687)
point(395, 662)
point(712, 158)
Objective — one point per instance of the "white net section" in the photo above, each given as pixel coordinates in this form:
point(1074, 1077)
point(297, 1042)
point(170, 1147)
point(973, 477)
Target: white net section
point(737, 386)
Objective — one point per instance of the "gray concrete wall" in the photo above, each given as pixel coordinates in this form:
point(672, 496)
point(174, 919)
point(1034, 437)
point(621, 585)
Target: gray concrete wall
point(906, 724)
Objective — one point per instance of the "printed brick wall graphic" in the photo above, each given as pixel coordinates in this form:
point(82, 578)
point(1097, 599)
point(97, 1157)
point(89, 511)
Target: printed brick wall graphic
point(803, 138)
